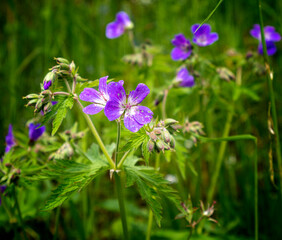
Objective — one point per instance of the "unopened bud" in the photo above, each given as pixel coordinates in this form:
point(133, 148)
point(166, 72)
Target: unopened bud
point(72, 67)
point(150, 145)
point(38, 105)
point(166, 136)
point(172, 142)
point(225, 74)
point(8, 165)
point(62, 60)
point(48, 80)
point(160, 145)
point(169, 122)
point(153, 136)
point(31, 96)
point(31, 102)
point(65, 66)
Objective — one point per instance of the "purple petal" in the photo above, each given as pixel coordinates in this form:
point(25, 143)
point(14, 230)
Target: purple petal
point(142, 115)
point(116, 92)
point(270, 48)
point(103, 89)
point(46, 84)
point(186, 80)
point(194, 27)
point(130, 123)
point(205, 29)
point(124, 19)
point(113, 110)
point(10, 140)
point(114, 30)
point(180, 40)
point(180, 54)
point(212, 38)
point(93, 109)
point(271, 35)
point(35, 131)
point(138, 95)
point(92, 95)
point(255, 32)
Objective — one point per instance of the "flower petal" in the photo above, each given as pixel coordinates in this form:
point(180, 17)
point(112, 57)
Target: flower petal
point(114, 30)
point(35, 131)
point(129, 121)
point(113, 110)
point(93, 109)
point(186, 80)
point(194, 28)
point(92, 95)
point(138, 95)
point(205, 29)
point(103, 89)
point(255, 32)
point(124, 19)
point(179, 40)
point(270, 48)
point(180, 54)
point(142, 115)
point(212, 38)
point(271, 35)
point(116, 92)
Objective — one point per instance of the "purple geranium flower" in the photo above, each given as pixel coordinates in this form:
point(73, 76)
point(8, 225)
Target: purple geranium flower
point(184, 78)
point(2, 189)
point(203, 36)
point(10, 139)
point(135, 116)
point(117, 28)
point(270, 37)
point(99, 99)
point(183, 47)
point(35, 131)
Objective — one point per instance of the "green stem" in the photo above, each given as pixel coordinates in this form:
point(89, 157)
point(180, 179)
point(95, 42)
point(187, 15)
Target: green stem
point(164, 104)
point(131, 39)
point(150, 218)
point(67, 84)
point(57, 218)
point(220, 157)
point(272, 99)
point(118, 140)
point(121, 205)
point(19, 211)
point(122, 159)
point(96, 135)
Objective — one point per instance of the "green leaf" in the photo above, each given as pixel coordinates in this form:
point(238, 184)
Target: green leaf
point(75, 176)
point(152, 187)
point(135, 141)
point(61, 114)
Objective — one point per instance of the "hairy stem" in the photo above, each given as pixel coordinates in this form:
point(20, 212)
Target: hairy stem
point(123, 159)
point(96, 135)
point(121, 205)
point(164, 104)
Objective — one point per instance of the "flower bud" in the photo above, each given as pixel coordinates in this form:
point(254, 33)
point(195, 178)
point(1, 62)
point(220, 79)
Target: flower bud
point(172, 142)
point(169, 122)
point(31, 102)
point(150, 145)
point(64, 66)
point(62, 60)
point(31, 96)
point(225, 74)
point(153, 136)
point(72, 67)
point(166, 136)
point(160, 145)
point(38, 105)
point(48, 80)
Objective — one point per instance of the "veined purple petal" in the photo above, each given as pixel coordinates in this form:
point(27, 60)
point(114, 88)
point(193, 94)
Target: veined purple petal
point(270, 48)
point(180, 54)
point(138, 95)
point(271, 35)
point(142, 115)
point(114, 30)
point(255, 32)
point(124, 19)
point(116, 92)
point(103, 87)
point(180, 40)
point(129, 121)
point(35, 132)
point(204, 29)
point(92, 95)
point(194, 27)
point(113, 110)
point(10, 140)
point(93, 108)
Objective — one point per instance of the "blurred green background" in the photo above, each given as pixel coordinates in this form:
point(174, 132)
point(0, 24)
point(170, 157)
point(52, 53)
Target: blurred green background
point(32, 33)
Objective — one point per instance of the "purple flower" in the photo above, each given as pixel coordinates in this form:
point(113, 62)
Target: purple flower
point(117, 28)
point(10, 139)
point(48, 80)
point(270, 37)
point(183, 47)
point(2, 189)
point(203, 36)
point(35, 131)
point(135, 116)
point(184, 78)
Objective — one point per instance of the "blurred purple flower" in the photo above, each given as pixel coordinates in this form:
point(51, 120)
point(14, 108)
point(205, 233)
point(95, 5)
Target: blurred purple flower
point(117, 28)
point(2, 189)
point(135, 116)
point(10, 139)
point(270, 37)
point(203, 36)
point(183, 47)
point(35, 131)
point(46, 85)
point(184, 78)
